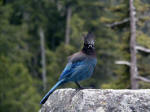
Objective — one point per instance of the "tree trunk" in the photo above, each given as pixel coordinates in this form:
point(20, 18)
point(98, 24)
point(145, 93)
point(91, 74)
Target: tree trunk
point(67, 38)
point(43, 57)
point(133, 67)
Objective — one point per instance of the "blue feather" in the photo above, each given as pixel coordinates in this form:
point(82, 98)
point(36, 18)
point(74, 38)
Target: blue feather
point(66, 71)
point(69, 69)
point(51, 91)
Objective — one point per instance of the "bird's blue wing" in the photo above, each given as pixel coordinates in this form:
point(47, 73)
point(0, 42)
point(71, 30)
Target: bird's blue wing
point(66, 71)
point(76, 60)
point(69, 69)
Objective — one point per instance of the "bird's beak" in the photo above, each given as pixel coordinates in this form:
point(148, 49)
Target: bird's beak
point(90, 46)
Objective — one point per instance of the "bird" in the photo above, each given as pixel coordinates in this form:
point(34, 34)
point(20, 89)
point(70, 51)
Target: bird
point(80, 65)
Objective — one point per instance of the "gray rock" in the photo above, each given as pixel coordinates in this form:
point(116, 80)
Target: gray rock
point(96, 100)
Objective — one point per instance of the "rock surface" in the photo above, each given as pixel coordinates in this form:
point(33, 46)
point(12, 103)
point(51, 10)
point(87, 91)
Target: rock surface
point(96, 100)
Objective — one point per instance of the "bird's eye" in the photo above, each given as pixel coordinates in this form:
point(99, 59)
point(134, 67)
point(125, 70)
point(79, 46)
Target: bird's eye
point(91, 42)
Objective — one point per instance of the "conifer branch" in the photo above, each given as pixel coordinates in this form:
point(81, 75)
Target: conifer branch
point(124, 21)
point(123, 63)
point(140, 78)
point(140, 48)
point(118, 23)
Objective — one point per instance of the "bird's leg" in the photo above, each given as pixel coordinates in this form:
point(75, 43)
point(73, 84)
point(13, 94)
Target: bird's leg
point(79, 86)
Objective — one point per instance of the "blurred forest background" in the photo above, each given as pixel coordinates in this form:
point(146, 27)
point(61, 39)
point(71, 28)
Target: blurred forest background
point(36, 36)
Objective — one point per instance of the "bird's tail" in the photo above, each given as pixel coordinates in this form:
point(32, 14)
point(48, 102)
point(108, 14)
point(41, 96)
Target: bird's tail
point(51, 91)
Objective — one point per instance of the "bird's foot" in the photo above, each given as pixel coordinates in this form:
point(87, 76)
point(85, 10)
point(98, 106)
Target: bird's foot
point(81, 87)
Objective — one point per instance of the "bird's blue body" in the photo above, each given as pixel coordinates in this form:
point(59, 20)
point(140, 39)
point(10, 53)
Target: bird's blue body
point(80, 67)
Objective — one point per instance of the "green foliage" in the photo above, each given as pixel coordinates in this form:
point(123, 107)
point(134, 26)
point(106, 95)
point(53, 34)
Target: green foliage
point(18, 92)
point(143, 39)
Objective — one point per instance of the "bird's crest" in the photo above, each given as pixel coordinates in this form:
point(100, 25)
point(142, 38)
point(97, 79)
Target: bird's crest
point(89, 38)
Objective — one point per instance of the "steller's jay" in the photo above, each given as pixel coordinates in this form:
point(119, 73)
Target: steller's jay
point(80, 65)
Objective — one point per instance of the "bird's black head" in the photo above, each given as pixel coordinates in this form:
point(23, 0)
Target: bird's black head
point(89, 43)
point(89, 39)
